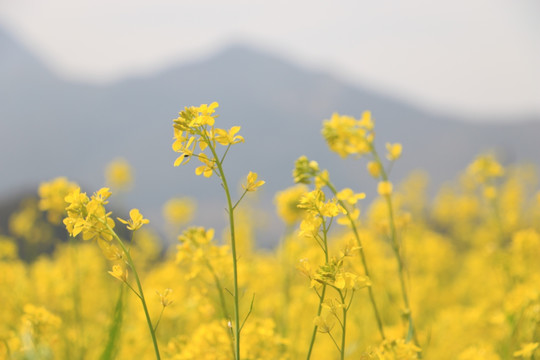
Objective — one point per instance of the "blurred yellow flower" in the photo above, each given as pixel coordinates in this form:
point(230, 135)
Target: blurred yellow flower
point(526, 351)
point(287, 203)
point(52, 198)
point(179, 211)
point(119, 174)
point(394, 151)
point(385, 188)
point(374, 169)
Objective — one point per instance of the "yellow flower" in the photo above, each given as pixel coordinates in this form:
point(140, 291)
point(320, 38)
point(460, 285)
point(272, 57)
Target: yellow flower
point(136, 220)
point(374, 169)
point(207, 169)
point(287, 203)
point(205, 114)
point(52, 198)
point(179, 210)
point(324, 323)
point(485, 168)
point(119, 174)
point(349, 196)
point(228, 137)
point(347, 136)
point(394, 151)
point(252, 183)
point(119, 272)
point(164, 297)
point(184, 147)
point(110, 251)
point(305, 170)
point(385, 188)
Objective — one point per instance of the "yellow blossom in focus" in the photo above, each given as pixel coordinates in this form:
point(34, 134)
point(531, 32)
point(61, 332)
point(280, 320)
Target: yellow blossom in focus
point(252, 183)
point(394, 151)
point(228, 137)
point(136, 220)
point(119, 174)
point(385, 188)
point(208, 168)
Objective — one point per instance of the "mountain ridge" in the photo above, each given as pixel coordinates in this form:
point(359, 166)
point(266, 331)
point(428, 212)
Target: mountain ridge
point(52, 127)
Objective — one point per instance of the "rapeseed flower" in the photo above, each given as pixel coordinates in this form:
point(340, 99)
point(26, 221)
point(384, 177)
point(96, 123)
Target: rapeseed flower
point(136, 220)
point(252, 183)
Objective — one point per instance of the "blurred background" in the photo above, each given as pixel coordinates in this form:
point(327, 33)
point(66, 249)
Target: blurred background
point(84, 83)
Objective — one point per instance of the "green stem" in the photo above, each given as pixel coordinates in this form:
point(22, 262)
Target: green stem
point(222, 301)
point(314, 333)
point(233, 248)
point(141, 293)
point(321, 298)
point(343, 325)
point(77, 298)
point(364, 262)
point(397, 252)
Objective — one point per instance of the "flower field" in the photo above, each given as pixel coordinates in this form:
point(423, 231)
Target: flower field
point(456, 276)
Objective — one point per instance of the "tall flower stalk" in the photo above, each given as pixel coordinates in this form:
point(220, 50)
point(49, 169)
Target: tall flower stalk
point(316, 224)
point(87, 216)
point(305, 172)
point(194, 132)
point(348, 136)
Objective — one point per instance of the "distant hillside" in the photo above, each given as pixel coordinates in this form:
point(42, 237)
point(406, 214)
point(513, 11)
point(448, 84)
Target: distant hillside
point(52, 127)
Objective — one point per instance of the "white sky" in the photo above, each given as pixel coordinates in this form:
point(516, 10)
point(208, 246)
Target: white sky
point(471, 57)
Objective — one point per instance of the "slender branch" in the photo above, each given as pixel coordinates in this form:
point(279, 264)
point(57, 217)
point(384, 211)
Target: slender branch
point(364, 261)
point(233, 247)
point(143, 301)
point(396, 248)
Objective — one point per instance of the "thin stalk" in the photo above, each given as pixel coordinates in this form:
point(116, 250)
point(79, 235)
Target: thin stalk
point(77, 298)
point(364, 262)
point(141, 293)
point(233, 248)
point(222, 301)
point(314, 333)
point(335, 342)
point(343, 325)
point(397, 253)
point(321, 297)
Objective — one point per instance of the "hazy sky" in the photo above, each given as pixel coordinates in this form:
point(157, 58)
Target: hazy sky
point(464, 56)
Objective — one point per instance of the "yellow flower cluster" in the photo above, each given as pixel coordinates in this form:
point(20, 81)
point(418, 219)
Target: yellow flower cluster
point(195, 126)
point(347, 136)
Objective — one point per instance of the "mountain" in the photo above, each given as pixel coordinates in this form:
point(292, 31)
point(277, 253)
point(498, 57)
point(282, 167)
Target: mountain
point(52, 127)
